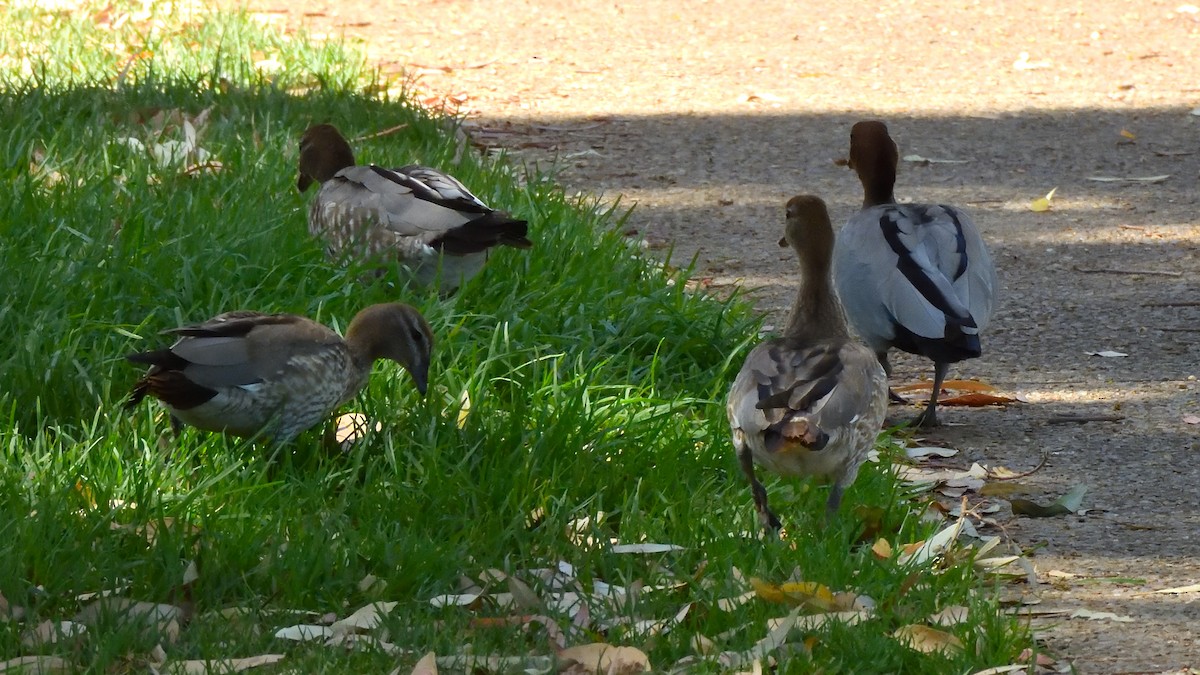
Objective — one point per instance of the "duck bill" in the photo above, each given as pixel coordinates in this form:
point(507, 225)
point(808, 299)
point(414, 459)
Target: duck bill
point(421, 379)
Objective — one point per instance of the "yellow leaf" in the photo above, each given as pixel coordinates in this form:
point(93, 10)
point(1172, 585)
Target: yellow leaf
point(927, 640)
point(882, 549)
point(767, 591)
point(1128, 134)
point(1042, 203)
point(86, 492)
point(464, 408)
point(795, 593)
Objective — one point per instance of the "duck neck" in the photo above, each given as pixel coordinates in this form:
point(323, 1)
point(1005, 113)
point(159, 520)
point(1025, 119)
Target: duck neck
point(816, 313)
point(880, 187)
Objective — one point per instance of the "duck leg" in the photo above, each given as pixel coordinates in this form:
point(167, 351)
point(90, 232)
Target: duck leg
point(834, 502)
point(928, 417)
point(769, 522)
point(893, 397)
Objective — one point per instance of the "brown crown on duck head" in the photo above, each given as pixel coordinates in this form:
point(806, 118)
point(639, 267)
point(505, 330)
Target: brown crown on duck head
point(323, 153)
point(393, 331)
point(809, 231)
point(874, 156)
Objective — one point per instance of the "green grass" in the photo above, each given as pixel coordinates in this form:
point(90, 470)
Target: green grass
point(596, 384)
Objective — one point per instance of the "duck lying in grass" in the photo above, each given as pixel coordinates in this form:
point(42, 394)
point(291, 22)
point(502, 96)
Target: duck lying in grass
point(275, 375)
point(916, 277)
point(422, 217)
point(809, 403)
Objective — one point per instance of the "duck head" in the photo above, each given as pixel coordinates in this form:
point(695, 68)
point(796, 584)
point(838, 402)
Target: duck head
point(323, 153)
point(397, 332)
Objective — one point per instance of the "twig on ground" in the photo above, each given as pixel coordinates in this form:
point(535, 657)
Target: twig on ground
point(386, 132)
point(1045, 458)
point(1106, 270)
point(1080, 419)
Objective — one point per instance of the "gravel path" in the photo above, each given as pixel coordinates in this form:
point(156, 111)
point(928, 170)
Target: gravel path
point(708, 115)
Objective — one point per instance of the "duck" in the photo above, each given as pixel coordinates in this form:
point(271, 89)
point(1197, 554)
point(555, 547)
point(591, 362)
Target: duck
point(250, 374)
point(914, 277)
point(811, 402)
point(424, 218)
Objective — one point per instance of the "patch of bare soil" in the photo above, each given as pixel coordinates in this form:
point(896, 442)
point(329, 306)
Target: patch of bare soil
point(709, 115)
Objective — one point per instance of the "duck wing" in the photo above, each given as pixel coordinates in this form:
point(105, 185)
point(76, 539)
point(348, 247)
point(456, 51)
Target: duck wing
point(917, 277)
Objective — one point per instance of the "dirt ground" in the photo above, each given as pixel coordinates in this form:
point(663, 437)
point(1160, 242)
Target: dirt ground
point(709, 115)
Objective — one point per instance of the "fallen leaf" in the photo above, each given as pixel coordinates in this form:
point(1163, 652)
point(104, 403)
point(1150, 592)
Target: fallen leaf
point(645, 548)
point(976, 400)
point(951, 616)
point(304, 632)
point(350, 428)
point(1067, 504)
point(603, 658)
point(1125, 133)
point(1194, 588)
point(927, 640)
point(1100, 616)
point(922, 552)
point(50, 632)
point(882, 549)
point(796, 593)
point(1073, 500)
point(523, 595)
point(427, 665)
point(1001, 670)
point(1108, 354)
point(1129, 179)
point(455, 600)
point(1191, 419)
point(464, 408)
point(1042, 203)
point(929, 450)
point(364, 618)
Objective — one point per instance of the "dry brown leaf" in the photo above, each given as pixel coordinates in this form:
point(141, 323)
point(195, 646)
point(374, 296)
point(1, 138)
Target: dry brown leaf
point(523, 595)
point(605, 659)
point(882, 549)
point(927, 640)
point(976, 400)
point(427, 665)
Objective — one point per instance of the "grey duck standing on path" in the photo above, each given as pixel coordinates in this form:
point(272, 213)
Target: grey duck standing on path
point(422, 217)
point(916, 277)
point(245, 373)
point(809, 403)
